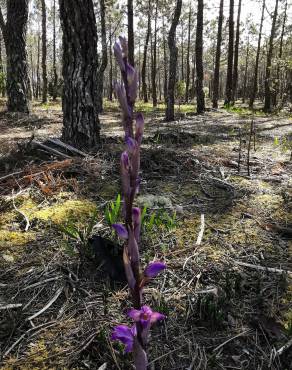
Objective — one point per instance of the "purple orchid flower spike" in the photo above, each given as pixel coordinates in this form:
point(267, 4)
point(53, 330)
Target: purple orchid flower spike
point(154, 268)
point(135, 338)
point(121, 231)
point(126, 335)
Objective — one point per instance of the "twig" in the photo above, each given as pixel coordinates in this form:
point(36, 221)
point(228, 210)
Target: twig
point(67, 146)
point(201, 233)
point(48, 305)
point(230, 339)
point(10, 306)
point(10, 175)
point(239, 152)
point(21, 213)
point(248, 148)
point(262, 268)
point(284, 348)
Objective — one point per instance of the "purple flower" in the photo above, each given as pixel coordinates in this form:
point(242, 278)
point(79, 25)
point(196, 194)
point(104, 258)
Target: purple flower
point(125, 166)
point(154, 268)
point(119, 55)
point(121, 231)
point(145, 316)
point(136, 214)
point(131, 144)
point(139, 127)
point(126, 335)
point(122, 98)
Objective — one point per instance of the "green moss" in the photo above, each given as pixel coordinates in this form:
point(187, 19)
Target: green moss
point(15, 238)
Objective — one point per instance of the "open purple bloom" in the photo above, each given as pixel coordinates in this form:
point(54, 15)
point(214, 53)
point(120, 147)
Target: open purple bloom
point(121, 231)
point(126, 335)
point(145, 316)
point(154, 268)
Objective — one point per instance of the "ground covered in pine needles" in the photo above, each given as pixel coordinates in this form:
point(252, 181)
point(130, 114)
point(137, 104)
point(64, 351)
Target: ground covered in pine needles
point(224, 234)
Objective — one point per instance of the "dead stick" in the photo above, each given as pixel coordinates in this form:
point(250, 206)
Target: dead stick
point(262, 268)
point(248, 148)
point(239, 152)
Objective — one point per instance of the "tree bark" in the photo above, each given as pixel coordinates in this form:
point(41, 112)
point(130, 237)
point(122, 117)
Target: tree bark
point(144, 63)
point(131, 32)
point(236, 50)
point(267, 105)
point(14, 34)
point(199, 58)
point(44, 52)
point(169, 113)
point(80, 121)
point(38, 68)
point(188, 56)
point(103, 64)
point(256, 69)
point(154, 60)
point(228, 93)
point(245, 72)
point(55, 75)
point(218, 57)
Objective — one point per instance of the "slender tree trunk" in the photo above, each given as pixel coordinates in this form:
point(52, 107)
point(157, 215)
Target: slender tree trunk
point(165, 62)
point(14, 33)
point(245, 72)
point(103, 65)
point(154, 60)
point(267, 105)
point(218, 57)
point(110, 94)
point(55, 75)
point(199, 58)
point(144, 63)
point(169, 114)
point(188, 56)
point(44, 52)
point(236, 50)
point(256, 69)
point(228, 93)
point(38, 68)
point(182, 52)
point(277, 87)
point(131, 47)
point(80, 121)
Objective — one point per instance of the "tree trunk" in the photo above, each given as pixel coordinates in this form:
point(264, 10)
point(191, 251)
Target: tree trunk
point(80, 121)
point(277, 87)
point(188, 56)
point(245, 72)
point(154, 60)
point(38, 68)
point(218, 57)
point(55, 75)
point(236, 50)
point(44, 52)
point(164, 62)
point(267, 105)
point(144, 63)
point(169, 113)
point(182, 52)
point(228, 93)
point(131, 33)
point(14, 33)
point(110, 77)
point(199, 58)
point(103, 65)
point(256, 69)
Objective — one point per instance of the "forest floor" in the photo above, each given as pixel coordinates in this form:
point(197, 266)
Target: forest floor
point(228, 298)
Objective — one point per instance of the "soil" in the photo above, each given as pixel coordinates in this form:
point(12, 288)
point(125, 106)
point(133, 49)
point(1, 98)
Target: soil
point(227, 298)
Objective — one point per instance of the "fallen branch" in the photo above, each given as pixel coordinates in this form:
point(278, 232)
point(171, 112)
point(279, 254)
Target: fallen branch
point(48, 305)
point(67, 146)
point(284, 348)
point(50, 150)
point(10, 306)
point(262, 268)
point(229, 340)
point(21, 213)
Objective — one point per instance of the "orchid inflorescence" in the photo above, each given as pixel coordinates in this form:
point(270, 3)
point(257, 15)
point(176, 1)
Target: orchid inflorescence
point(134, 338)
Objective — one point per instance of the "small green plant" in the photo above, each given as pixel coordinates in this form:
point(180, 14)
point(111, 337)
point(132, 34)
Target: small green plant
point(158, 219)
point(81, 235)
point(285, 144)
point(112, 211)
